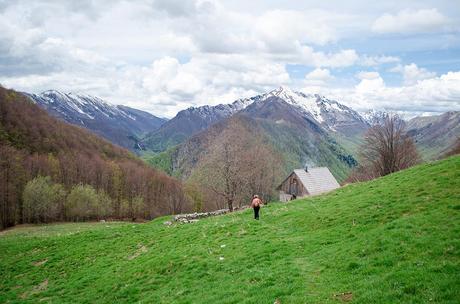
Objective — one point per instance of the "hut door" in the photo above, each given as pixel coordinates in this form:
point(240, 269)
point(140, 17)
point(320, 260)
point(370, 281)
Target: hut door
point(293, 187)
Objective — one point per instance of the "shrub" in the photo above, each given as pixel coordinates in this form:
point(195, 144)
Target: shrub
point(43, 200)
point(82, 203)
point(103, 207)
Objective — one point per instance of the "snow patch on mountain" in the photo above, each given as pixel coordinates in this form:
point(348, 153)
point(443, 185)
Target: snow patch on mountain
point(307, 103)
point(120, 124)
point(326, 112)
point(374, 117)
point(79, 104)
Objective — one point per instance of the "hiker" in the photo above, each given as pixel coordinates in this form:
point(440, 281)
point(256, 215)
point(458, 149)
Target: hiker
point(255, 204)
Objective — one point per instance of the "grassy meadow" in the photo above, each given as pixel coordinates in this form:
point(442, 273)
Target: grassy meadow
point(392, 240)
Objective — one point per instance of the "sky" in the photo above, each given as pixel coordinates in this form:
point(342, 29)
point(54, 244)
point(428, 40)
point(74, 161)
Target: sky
point(163, 56)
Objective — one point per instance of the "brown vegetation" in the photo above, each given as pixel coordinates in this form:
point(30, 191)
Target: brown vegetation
point(387, 148)
point(33, 144)
point(239, 163)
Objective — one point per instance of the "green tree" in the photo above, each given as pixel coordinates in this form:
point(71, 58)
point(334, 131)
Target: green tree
point(82, 203)
point(103, 207)
point(42, 200)
point(138, 207)
point(125, 209)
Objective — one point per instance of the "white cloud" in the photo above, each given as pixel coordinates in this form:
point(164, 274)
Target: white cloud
point(318, 77)
point(280, 29)
point(211, 79)
point(378, 60)
point(368, 75)
point(343, 58)
point(163, 56)
point(411, 21)
point(433, 95)
point(412, 73)
point(319, 74)
point(176, 8)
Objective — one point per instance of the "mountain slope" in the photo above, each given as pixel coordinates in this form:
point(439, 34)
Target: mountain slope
point(119, 124)
point(374, 117)
point(296, 134)
point(391, 240)
point(330, 114)
point(33, 143)
point(435, 135)
point(189, 122)
point(299, 137)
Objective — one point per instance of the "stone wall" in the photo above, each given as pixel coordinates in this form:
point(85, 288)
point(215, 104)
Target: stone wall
point(194, 217)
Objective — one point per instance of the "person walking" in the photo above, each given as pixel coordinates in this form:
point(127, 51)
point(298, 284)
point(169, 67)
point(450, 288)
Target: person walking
point(255, 204)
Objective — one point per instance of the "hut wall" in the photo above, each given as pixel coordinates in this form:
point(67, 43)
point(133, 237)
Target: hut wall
point(287, 187)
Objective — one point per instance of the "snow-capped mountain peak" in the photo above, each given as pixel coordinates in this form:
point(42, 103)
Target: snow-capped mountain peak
point(306, 103)
point(283, 92)
point(79, 104)
point(326, 112)
point(329, 113)
point(117, 123)
point(374, 117)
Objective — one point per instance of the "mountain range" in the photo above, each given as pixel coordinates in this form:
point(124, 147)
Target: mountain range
point(327, 113)
point(119, 124)
point(303, 128)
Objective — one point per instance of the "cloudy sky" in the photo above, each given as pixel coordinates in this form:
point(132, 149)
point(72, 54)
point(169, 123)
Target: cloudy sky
point(163, 56)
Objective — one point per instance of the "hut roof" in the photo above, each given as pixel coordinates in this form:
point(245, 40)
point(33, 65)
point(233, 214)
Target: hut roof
point(317, 180)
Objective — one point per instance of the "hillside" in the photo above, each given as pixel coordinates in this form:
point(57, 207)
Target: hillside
point(34, 144)
point(391, 240)
point(123, 126)
point(435, 135)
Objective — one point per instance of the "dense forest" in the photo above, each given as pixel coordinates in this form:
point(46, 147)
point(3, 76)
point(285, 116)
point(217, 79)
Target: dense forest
point(52, 171)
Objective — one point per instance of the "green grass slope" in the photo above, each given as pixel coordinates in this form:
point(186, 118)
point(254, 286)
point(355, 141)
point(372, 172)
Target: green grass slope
point(392, 240)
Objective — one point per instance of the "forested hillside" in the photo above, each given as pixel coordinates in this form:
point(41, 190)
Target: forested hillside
point(70, 174)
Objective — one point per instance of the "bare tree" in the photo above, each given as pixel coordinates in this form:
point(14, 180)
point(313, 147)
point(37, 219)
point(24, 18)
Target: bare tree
point(238, 164)
point(386, 149)
point(223, 169)
point(263, 169)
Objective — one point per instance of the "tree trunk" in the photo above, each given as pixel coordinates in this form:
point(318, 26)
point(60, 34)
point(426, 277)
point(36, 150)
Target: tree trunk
point(230, 205)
